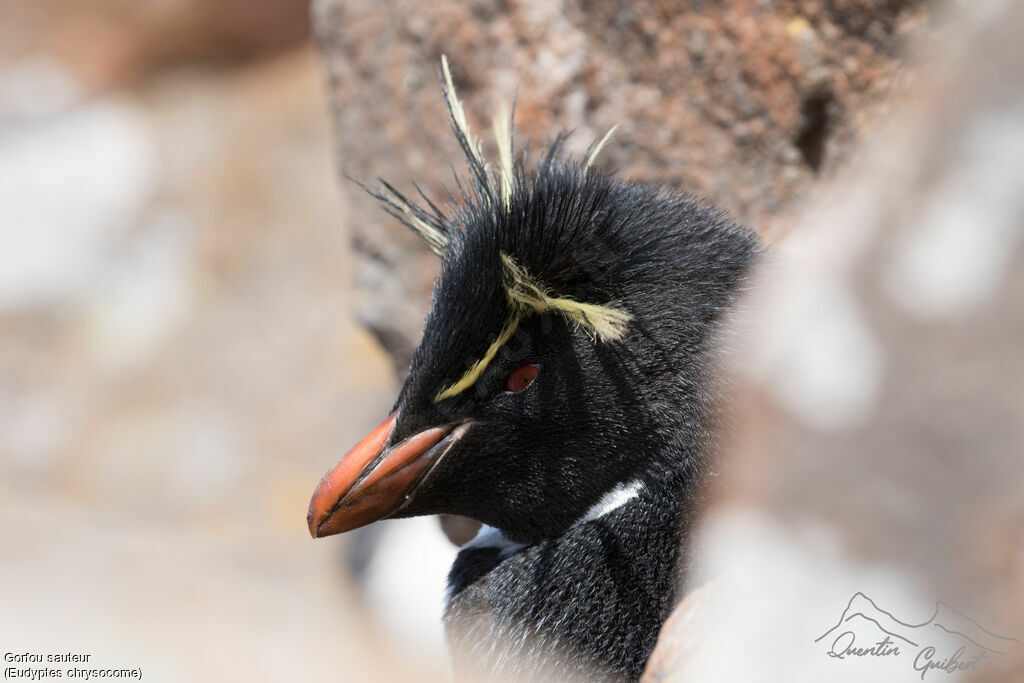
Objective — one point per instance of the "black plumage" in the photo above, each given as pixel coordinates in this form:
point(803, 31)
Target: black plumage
point(615, 426)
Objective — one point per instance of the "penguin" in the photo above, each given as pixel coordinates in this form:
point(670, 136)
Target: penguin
point(563, 395)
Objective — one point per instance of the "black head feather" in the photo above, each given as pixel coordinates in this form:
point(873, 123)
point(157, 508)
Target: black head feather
point(598, 413)
point(605, 296)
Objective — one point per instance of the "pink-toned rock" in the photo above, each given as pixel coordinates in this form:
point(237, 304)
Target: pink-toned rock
point(741, 102)
point(107, 43)
point(878, 476)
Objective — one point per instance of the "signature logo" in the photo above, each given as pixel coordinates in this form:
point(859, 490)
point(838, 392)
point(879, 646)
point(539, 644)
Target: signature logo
point(948, 642)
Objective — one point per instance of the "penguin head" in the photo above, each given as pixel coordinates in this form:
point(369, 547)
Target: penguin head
point(564, 352)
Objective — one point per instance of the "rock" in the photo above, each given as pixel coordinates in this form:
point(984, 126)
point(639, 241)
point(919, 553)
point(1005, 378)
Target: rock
point(744, 103)
point(110, 43)
point(880, 471)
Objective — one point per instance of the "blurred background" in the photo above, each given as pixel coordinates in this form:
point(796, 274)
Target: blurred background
point(198, 316)
point(178, 361)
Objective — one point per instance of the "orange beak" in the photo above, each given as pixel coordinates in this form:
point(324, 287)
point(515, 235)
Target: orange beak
point(370, 483)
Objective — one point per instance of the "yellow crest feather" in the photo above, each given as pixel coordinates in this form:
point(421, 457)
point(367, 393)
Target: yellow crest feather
point(477, 369)
point(435, 239)
point(525, 295)
point(602, 322)
point(503, 137)
point(458, 113)
point(597, 148)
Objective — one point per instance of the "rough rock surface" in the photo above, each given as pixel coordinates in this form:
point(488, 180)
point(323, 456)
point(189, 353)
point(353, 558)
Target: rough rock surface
point(880, 466)
point(745, 103)
point(105, 43)
point(178, 363)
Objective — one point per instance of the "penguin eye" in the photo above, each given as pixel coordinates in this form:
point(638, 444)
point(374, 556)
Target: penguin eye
point(521, 377)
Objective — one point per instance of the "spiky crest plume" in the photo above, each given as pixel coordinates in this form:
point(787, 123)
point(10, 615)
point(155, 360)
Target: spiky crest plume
point(525, 294)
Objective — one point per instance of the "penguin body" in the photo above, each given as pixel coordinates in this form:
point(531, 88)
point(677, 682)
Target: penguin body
point(561, 395)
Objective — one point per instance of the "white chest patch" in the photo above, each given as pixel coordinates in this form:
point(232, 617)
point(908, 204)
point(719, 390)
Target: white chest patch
point(490, 537)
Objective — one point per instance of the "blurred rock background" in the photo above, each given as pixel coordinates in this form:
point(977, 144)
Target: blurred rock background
point(182, 350)
point(747, 104)
point(880, 453)
point(178, 364)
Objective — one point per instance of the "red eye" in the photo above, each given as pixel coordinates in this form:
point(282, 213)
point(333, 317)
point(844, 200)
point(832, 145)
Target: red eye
point(520, 378)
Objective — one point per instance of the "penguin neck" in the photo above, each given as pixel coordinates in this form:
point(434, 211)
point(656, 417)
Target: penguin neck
point(627, 511)
point(504, 597)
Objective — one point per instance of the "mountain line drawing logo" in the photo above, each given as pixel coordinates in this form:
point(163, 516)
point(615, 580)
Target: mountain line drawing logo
point(948, 642)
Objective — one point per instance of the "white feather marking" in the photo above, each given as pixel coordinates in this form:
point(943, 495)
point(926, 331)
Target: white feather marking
point(613, 500)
